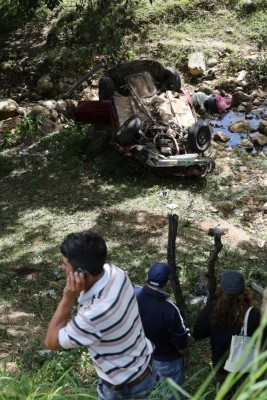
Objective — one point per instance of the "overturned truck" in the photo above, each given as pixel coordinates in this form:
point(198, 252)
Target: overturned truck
point(152, 119)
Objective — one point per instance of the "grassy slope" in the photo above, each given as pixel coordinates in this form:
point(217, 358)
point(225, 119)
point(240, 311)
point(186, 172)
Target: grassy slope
point(55, 191)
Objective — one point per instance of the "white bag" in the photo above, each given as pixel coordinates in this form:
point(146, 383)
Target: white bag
point(237, 359)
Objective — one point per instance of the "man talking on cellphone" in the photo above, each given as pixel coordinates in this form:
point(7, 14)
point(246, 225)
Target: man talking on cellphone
point(107, 321)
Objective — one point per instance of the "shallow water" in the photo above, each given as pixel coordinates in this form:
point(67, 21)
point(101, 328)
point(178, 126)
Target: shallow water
point(222, 123)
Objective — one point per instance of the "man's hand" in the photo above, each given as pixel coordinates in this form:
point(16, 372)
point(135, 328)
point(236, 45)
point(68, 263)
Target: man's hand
point(74, 286)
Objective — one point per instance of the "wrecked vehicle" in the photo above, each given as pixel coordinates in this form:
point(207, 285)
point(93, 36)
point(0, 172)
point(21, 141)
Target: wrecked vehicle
point(152, 119)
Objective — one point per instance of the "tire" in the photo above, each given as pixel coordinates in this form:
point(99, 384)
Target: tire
point(172, 79)
point(199, 137)
point(105, 88)
point(97, 139)
point(128, 129)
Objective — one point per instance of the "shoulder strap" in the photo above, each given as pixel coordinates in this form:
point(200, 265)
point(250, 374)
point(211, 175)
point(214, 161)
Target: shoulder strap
point(245, 324)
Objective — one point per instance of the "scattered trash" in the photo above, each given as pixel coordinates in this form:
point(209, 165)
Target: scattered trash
point(23, 153)
point(196, 299)
point(164, 194)
point(47, 293)
point(42, 352)
point(241, 76)
point(172, 206)
point(57, 275)
point(239, 213)
point(213, 103)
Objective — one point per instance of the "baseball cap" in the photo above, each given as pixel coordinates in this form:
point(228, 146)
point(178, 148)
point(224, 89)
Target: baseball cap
point(159, 274)
point(232, 282)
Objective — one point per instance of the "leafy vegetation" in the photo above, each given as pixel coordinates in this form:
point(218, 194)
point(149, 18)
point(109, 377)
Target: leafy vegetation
point(51, 185)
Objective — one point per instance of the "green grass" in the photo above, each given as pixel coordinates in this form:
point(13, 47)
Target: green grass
point(58, 189)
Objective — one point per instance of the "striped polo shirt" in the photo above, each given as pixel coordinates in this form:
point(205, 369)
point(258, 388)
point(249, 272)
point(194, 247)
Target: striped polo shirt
point(108, 323)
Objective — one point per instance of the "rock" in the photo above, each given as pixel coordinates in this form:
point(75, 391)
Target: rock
point(204, 88)
point(71, 105)
point(18, 69)
point(259, 140)
point(220, 136)
point(196, 64)
point(38, 110)
point(8, 109)
point(248, 107)
point(239, 97)
point(263, 127)
point(44, 84)
point(240, 126)
point(10, 123)
point(256, 102)
point(61, 106)
point(242, 168)
point(211, 62)
point(49, 104)
point(35, 96)
point(246, 143)
point(226, 206)
point(63, 87)
point(46, 126)
point(54, 116)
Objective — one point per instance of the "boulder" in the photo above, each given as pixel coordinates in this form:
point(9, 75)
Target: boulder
point(211, 62)
point(259, 140)
point(239, 97)
point(240, 126)
point(220, 136)
point(263, 127)
point(196, 64)
point(44, 84)
point(246, 143)
point(226, 206)
point(10, 123)
point(8, 109)
point(49, 104)
point(61, 107)
point(39, 110)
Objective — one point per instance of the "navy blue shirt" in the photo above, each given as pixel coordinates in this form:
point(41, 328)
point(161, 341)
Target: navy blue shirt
point(163, 324)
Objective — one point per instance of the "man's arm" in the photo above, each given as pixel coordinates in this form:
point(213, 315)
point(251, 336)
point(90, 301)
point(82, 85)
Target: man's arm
point(74, 285)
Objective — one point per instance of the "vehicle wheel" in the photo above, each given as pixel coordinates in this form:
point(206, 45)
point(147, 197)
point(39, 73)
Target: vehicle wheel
point(128, 129)
point(98, 138)
point(105, 88)
point(199, 137)
point(172, 79)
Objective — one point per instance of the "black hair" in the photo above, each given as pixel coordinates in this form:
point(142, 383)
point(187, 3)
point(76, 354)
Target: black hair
point(85, 250)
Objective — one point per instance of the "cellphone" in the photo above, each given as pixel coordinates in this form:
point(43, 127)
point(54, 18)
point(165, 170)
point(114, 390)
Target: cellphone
point(81, 270)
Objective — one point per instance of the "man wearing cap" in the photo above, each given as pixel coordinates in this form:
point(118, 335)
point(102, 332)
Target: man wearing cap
point(163, 325)
point(221, 319)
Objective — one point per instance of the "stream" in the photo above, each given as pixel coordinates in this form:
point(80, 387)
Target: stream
point(255, 117)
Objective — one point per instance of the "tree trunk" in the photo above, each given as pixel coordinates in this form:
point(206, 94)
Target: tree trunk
point(211, 274)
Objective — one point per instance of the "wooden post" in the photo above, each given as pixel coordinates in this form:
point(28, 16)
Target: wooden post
point(176, 287)
point(216, 232)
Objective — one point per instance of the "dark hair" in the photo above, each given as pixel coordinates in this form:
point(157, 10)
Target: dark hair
point(85, 250)
point(230, 309)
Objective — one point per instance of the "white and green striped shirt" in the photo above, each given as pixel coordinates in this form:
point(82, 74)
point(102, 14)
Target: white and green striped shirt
point(108, 323)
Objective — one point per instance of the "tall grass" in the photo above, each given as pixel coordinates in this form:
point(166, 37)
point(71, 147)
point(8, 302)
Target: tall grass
point(27, 386)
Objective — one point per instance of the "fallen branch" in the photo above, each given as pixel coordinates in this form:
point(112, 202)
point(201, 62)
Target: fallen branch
point(217, 233)
point(176, 287)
